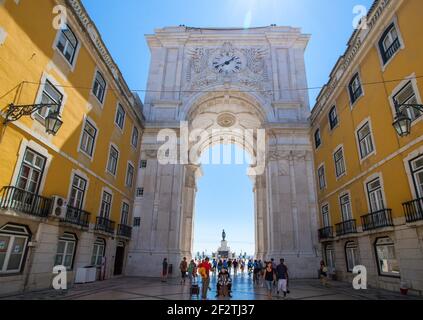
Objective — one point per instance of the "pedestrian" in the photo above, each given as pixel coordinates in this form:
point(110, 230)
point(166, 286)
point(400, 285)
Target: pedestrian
point(256, 272)
point(204, 270)
point(183, 266)
point(164, 270)
point(323, 274)
point(269, 278)
point(282, 277)
point(190, 270)
point(235, 265)
point(219, 265)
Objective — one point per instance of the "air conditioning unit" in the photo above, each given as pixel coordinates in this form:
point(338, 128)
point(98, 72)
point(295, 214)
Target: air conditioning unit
point(59, 207)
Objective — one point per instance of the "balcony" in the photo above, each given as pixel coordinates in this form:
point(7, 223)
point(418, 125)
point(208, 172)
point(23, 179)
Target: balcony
point(105, 225)
point(77, 217)
point(326, 233)
point(124, 231)
point(377, 220)
point(12, 198)
point(413, 210)
point(346, 227)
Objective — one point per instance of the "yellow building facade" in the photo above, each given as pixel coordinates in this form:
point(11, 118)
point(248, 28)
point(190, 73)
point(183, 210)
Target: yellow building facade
point(370, 179)
point(65, 199)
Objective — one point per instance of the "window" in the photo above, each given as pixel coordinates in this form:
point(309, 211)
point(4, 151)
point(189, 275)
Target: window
point(407, 95)
point(140, 192)
point(374, 191)
point(99, 88)
point(98, 252)
point(322, 179)
point(351, 254)
point(389, 43)
point(67, 44)
point(50, 95)
point(79, 186)
point(355, 88)
point(346, 208)
point(317, 138)
point(13, 245)
point(339, 162)
point(88, 138)
point(417, 172)
point(106, 204)
point(325, 216)
point(333, 118)
point(134, 139)
point(130, 175)
point(120, 116)
point(365, 141)
point(66, 251)
point(386, 258)
point(330, 258)
point(113, 160)
point(137, 222)
point(143, 164)
point(31, 172)
point(125, 214)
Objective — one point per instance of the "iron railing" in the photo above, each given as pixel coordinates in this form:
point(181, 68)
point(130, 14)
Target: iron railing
point(376, 220)
point(413, 210)
point(326, 233)
point(12, 198)
point(124, 231)
point(346, 227)
point(77, 217)
point(105, 225)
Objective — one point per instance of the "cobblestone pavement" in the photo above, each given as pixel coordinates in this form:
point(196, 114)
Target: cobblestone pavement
point(127, 288)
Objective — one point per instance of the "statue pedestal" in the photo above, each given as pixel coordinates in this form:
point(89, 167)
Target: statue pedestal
point(224, 252)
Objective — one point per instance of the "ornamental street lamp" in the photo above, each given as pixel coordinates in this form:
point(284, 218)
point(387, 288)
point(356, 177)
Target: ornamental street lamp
point(402, 122)
point(52, 122)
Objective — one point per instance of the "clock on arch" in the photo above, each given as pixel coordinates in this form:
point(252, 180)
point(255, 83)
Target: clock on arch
point(227, 62)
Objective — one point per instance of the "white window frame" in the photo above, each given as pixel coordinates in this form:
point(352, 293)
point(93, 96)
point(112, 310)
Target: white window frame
point(97, 70)
point(351, 214)
point(94, 125)
point(99, 251)
point(83, 175)
point(383, 64)
point(67, 239)
point(317, 147)
point(120, 106)
point(135, 129)
point(130, 164)
point(413, 155)
point(77, 49)
point(44, 78)
point(357, 139)
point(330, 120)
point(352, 104)
point(411, 78)
point(322, 166)
point(323, 213)
point(351, 251)
point(114, 174)
point(128, 218)
point(369, 179)
point(340, 147)
point(140, 192)
point(13, 235)
point(110, 192)
point(386, 242)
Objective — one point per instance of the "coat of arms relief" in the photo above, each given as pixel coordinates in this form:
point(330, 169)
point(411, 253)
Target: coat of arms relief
point(247, 67)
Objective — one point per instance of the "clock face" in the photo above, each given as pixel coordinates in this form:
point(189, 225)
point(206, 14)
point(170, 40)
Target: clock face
point(227, 63)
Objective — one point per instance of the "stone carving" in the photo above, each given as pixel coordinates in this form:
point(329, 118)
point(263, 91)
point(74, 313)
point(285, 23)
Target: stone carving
point(226, 120)
point(255, 59)
point(151, 154)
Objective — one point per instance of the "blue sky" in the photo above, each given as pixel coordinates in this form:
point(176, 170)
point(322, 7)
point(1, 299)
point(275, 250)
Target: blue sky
point(123, 25)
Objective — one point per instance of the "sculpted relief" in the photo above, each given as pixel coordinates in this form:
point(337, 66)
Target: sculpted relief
point(218, 66)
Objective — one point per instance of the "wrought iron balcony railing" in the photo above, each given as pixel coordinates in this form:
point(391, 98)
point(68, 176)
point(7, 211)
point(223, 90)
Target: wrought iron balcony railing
point(105, 225)
point(326, 233)
point(77, 217)
point(413, 210)
point(346, 227)
point(376, 220)
point(124, 231)
point(20, 200)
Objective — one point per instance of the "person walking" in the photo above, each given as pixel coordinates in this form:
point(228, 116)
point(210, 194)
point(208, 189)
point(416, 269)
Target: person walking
point(190, 270)
point(219, 265)
point(282, 277)
point(269, 278)
point(204, 270)
point(323, 274)
point(256, 272)
point(183, 266)
point(164, 270)
point(235, 265)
